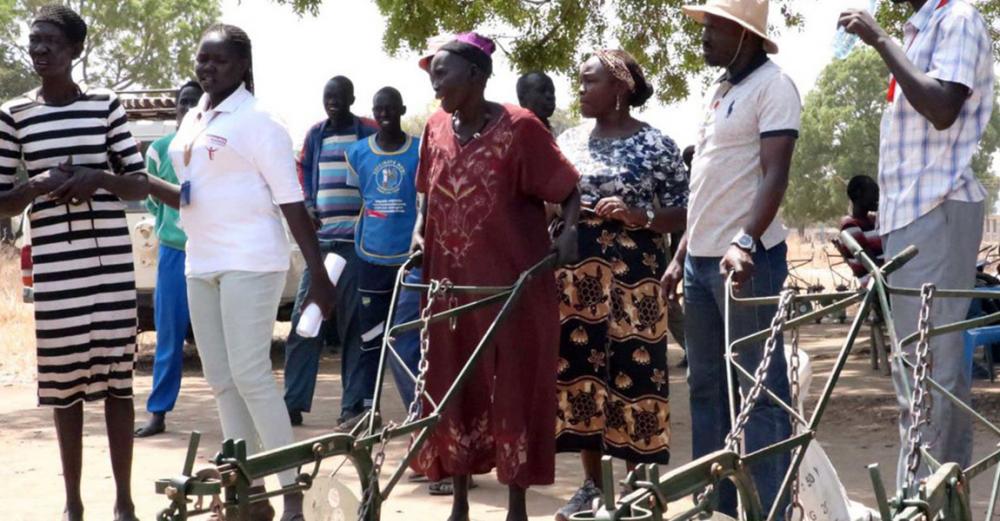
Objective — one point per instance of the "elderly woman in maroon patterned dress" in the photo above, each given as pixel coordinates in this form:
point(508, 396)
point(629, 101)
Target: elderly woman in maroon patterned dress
point(486, 172)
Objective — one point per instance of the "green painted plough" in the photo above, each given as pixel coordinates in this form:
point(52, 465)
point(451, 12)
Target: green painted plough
point(943, 495)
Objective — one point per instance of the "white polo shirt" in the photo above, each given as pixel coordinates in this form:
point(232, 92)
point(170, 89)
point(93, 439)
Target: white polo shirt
point(726, 171)
point(241, 167)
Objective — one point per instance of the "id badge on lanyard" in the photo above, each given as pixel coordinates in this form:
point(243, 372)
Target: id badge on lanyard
point(185, 195)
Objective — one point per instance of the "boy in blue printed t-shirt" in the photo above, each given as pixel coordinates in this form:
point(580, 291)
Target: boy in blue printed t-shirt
point(384, 168)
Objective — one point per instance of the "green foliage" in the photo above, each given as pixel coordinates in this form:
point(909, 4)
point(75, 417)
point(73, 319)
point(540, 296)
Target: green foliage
point(414, 121)
point(840, 138)
point(563, 120)
point(554, 35)
point(130, 43)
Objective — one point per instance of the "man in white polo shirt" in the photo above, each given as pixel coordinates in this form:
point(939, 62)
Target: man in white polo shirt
point(738, 179)
point(940, 99)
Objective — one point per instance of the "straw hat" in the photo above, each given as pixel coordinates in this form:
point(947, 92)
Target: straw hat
point(750, 14)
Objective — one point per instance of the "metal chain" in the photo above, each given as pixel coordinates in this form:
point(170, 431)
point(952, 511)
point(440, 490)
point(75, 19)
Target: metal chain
point(437, 289)
point(369, 493)
point(920, 403)
point(736, 433)
point(794, 363)
point(777, 324)
point(702, 502)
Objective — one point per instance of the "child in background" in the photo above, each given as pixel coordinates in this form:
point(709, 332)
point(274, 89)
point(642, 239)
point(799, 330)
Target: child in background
point(384, 167)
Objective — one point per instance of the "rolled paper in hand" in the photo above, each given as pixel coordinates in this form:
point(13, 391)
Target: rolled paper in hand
point(312, 317)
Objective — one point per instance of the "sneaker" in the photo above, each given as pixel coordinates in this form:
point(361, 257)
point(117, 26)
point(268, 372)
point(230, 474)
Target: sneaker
point(582, 501)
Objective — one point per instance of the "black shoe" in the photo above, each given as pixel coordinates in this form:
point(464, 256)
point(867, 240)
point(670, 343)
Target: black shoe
point(296, 416)
point(156, 424)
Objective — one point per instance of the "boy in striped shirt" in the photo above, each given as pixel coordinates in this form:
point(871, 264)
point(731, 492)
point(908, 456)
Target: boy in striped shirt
point(335, 206)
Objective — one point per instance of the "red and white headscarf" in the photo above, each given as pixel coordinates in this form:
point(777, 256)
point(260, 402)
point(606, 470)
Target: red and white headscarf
point(614, 61)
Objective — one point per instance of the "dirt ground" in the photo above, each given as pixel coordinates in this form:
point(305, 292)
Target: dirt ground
point(857, 429)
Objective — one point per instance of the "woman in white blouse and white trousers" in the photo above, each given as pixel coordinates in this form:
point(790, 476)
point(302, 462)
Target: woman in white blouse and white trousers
point(237, 169)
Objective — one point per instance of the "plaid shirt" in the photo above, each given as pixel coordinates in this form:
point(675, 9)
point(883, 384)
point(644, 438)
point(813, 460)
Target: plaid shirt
point(921, 167)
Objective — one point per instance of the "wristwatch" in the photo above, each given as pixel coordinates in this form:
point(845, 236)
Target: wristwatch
point(650, 215)
point(745, 242)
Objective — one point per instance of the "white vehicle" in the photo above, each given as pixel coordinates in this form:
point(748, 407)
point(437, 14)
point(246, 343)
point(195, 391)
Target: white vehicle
point(151, 116)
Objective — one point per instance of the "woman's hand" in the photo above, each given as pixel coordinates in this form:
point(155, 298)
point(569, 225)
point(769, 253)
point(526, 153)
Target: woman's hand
point(566, 246)
point(614, 208)
point(81, 185)
point(46, 182)
point(417, 247)
point(322, 292)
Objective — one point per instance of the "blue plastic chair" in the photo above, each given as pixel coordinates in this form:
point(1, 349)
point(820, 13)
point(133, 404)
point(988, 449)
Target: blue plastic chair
point(981, 336)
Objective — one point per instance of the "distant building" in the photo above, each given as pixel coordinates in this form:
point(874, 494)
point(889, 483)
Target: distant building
point(991, 229)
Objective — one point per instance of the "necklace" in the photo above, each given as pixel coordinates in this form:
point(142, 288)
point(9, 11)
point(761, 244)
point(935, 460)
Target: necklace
point(475, 135)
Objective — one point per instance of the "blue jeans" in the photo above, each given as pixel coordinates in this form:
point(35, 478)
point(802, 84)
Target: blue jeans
point(358, 368)
point(408, 343)
point(170, 313)
point(704, 327)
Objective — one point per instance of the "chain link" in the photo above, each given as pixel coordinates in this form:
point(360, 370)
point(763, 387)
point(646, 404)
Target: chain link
point(371, 491)
point(777, 324)
point(437, 289)
point(794, 363)
point(736, 433)
point(920, 402)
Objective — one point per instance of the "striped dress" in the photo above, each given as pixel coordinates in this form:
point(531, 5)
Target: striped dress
point(85, 316)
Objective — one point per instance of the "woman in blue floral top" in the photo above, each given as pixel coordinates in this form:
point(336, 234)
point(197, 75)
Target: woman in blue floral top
point(612, 382)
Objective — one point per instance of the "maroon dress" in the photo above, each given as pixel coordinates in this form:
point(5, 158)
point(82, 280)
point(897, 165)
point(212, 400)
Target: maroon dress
point(486, 225)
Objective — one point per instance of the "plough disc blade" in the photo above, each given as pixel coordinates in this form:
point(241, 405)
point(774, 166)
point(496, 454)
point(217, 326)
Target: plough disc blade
point(330, 500)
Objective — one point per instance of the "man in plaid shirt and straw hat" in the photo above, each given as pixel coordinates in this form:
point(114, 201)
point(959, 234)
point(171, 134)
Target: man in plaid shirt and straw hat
point(738, 180)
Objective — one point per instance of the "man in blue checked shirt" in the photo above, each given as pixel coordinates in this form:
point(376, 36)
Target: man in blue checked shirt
point(940, 99)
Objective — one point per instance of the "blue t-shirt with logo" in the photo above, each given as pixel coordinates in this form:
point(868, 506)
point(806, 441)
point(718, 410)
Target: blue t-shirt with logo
point(387, 182)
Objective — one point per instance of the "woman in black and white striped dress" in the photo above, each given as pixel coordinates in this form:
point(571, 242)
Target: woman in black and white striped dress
point(66, 137)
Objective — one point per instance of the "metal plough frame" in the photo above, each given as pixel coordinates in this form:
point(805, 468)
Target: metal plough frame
point(943, 495)
point(234, 470)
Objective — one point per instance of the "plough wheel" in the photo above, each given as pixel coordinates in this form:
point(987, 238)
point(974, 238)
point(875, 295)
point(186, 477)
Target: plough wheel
point(330, 500)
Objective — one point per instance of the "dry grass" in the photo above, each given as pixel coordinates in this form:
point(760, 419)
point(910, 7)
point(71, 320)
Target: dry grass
point(17, 323)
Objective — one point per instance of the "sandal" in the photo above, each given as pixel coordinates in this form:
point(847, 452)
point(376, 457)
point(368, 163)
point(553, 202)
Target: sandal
point(416, 477)
point(446, 487)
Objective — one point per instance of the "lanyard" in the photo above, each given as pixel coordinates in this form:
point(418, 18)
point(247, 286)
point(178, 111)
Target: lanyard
point(891, 96)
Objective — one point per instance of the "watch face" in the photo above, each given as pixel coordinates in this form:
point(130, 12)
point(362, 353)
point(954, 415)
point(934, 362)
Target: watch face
point(745, 242)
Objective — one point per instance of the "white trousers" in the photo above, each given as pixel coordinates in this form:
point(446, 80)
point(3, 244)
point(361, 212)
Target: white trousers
point(233, 314)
